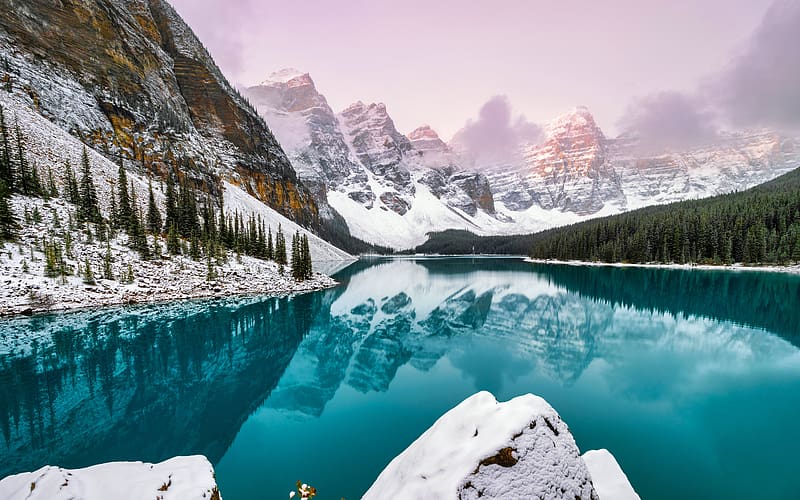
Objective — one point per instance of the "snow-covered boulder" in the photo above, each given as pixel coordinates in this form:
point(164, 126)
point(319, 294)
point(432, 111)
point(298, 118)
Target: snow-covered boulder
point(609, 480)
point(179, 478)
point(485, 449)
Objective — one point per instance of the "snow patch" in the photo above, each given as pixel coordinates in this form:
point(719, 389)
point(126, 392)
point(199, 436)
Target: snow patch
point(179, 478)
point(609, 480)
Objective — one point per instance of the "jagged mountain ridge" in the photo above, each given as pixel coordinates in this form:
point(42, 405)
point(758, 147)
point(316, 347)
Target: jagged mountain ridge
point(390, 189)
point(393, 190)
point(578, 169)
point(132, 80)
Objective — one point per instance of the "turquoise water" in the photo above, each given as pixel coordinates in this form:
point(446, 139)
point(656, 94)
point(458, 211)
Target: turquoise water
point(691, 378)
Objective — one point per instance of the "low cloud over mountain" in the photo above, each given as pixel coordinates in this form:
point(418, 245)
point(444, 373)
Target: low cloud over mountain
point(496, 134)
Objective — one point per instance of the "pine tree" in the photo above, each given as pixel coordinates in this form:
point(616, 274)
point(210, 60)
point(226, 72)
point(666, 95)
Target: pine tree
point(71, 184)
point(270, 247)
point(6, 168)
point(280, 249)
point(306, 252)
point(194, 248)
point(88, 207)
point(51, 264)
point(23, 175)
point(296, 266)
point(153, 214)
point(173, 243)
point(138, 238)
point(124, 205)
point(171, 207)
point(108, 274)
point(8, 222)
point(52, 189)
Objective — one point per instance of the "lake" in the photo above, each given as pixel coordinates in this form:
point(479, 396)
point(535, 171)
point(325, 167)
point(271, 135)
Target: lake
point(691, 378)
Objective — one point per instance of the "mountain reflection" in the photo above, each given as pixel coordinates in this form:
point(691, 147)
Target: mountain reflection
point(145, 383)
point(556, 320)
point(152, 382)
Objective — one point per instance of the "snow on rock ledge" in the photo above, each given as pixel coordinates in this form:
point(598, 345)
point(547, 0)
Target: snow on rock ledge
point(482, 448)
point(609, 480)
point(179, 478)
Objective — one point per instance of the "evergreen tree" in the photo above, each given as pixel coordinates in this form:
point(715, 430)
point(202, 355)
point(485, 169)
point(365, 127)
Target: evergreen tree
point(21, 168)
point(270, 247)
point(297, 272)
point(173, 243)
point(6, 167)
point(52, 189)
point(71, 184)
point(280, 249)
point(124, 205)
point(194, 248)
point(153, 214)
point(8, 222)
point(171, 206)
point(138, 238)
point(88, 207)
point(306, 253)
point(108, 274)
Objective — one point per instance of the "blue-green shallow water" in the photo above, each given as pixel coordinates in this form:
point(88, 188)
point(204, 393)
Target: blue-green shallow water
point(691, 378)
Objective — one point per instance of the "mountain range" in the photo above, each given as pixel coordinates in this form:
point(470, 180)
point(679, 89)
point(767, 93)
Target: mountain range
point(132, 81)
point(394, 189)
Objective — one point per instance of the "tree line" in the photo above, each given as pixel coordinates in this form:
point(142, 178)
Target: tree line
point(757, 226)
point(193, 224)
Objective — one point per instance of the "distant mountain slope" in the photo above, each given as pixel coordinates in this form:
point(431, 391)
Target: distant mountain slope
point(393, 190)
point(131, 79)
point(767, 214)
point(760, 225)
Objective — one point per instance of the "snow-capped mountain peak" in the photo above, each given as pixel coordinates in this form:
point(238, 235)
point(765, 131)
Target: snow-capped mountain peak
point(577, 121)
point(425, 139)
point(285, 76)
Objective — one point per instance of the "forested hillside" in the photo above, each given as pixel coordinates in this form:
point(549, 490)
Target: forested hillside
point(757, 226)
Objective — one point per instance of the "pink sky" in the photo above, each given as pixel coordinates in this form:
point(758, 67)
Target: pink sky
point(439, 62)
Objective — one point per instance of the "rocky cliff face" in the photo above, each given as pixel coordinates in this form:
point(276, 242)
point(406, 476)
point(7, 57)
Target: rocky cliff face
point(360, 166)
point(132, 80)
point(568, 172)
point(577, 170)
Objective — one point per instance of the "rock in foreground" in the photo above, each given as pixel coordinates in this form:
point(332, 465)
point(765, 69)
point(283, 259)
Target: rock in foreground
point(609, 480)
point(179, 478)
point(485, 449)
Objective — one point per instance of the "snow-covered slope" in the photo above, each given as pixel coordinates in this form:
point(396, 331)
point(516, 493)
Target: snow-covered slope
point(179, 478)
point(394, 190)
point(484, 449)
point(25, 288)
point(131, 79)
point(391, 189)
point(50, 146)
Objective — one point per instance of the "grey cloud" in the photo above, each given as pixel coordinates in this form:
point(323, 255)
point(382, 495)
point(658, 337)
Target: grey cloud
point(669, 121)
point(495, 136)
point(761, 86)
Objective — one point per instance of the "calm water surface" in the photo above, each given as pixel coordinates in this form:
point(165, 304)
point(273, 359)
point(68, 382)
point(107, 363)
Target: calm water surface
point(691, 378)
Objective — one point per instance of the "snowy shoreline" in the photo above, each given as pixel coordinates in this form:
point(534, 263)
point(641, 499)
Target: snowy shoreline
point(704, 267)
point(141, 297)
